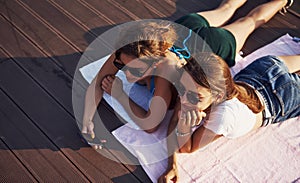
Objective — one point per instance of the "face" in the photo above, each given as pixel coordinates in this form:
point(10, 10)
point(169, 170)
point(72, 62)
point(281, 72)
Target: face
point(133, 68)
point(193, 96)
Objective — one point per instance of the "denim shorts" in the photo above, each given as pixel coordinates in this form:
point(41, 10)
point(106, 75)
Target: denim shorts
point(279, 88)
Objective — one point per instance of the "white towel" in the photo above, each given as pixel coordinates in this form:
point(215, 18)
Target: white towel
point(268, 155)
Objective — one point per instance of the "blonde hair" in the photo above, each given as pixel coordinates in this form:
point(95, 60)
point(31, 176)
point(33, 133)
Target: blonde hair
point(150, 39)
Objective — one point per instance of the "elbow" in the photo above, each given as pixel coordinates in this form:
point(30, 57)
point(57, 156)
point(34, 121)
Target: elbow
point(152, 130)
point(153, 126)
point(185, 150)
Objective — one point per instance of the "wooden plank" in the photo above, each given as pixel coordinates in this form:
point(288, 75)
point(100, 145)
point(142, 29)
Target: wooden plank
point(33, 148)
point(276, 27)
point(46, 38)
point(87, 17)
point(140, 9)
point(105, 9)
point(29, 64)
point(295, 9)
point(48, 75)
point(283, 24)
point(191, 6)
point(82, 13)
point(44, 79)
point(56, 21)
point(60, 128)
point(9, 162)
point(53, 77)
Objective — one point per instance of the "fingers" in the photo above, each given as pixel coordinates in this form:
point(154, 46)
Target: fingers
point(106, 84)
point(110, 82)
point(90, 129)
point(99, 145)
point(200, 116)
point(182, 117)
point(84, 129)
point(117, 80)
point(96, 147)
point(191, 118)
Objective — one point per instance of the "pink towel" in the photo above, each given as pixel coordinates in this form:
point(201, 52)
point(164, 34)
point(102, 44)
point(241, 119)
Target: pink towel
point(270, 154)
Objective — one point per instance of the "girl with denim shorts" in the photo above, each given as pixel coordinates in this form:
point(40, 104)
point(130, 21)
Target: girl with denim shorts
point(265, 92)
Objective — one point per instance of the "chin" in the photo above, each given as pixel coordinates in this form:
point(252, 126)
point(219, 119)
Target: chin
point(131, 79)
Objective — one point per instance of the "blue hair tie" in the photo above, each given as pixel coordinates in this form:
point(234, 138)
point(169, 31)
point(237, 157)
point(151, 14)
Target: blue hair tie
point(178, 50)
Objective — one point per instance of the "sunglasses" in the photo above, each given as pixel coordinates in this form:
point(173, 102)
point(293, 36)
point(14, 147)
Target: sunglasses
point(117, 57)
point(192, 97)
point(134, 71)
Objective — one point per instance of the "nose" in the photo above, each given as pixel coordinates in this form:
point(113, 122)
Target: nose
point(183, 98)
point(185, 104)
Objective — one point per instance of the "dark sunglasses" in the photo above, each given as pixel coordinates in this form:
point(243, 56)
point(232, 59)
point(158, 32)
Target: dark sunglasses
point(192, 97)
point(134, 71)
point(118, 64)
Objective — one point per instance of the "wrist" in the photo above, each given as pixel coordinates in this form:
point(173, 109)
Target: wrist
point(182, 133)
point(88, 120)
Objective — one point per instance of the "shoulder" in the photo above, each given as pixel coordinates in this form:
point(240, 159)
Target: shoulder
point(224, 118)
point(167, 69)
point(231, 118)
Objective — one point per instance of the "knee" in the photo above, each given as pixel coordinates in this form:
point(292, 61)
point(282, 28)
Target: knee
point(253, 21)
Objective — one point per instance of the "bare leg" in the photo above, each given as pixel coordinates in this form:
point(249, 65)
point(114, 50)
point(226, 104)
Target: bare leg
point(243, 27)
point(223, 13)
point(292, 62)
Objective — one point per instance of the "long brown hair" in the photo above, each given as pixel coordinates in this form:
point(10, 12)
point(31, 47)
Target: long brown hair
point(212, 72)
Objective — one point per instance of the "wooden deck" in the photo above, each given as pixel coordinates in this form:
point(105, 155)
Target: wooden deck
point(41, 44)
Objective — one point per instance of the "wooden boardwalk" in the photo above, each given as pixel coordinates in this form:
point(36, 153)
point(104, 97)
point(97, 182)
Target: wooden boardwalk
point(41, 43)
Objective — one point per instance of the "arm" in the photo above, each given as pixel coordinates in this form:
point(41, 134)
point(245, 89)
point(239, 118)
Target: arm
point(170, 175)
point(189, 142)
point(147, 120)
point(94, 95)
point(199, 139)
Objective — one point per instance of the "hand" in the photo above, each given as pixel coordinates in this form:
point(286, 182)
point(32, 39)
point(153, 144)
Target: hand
point(189, 119)
point(88, 128)
point(89, 136)
point(112, 82)
point(170, 176)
